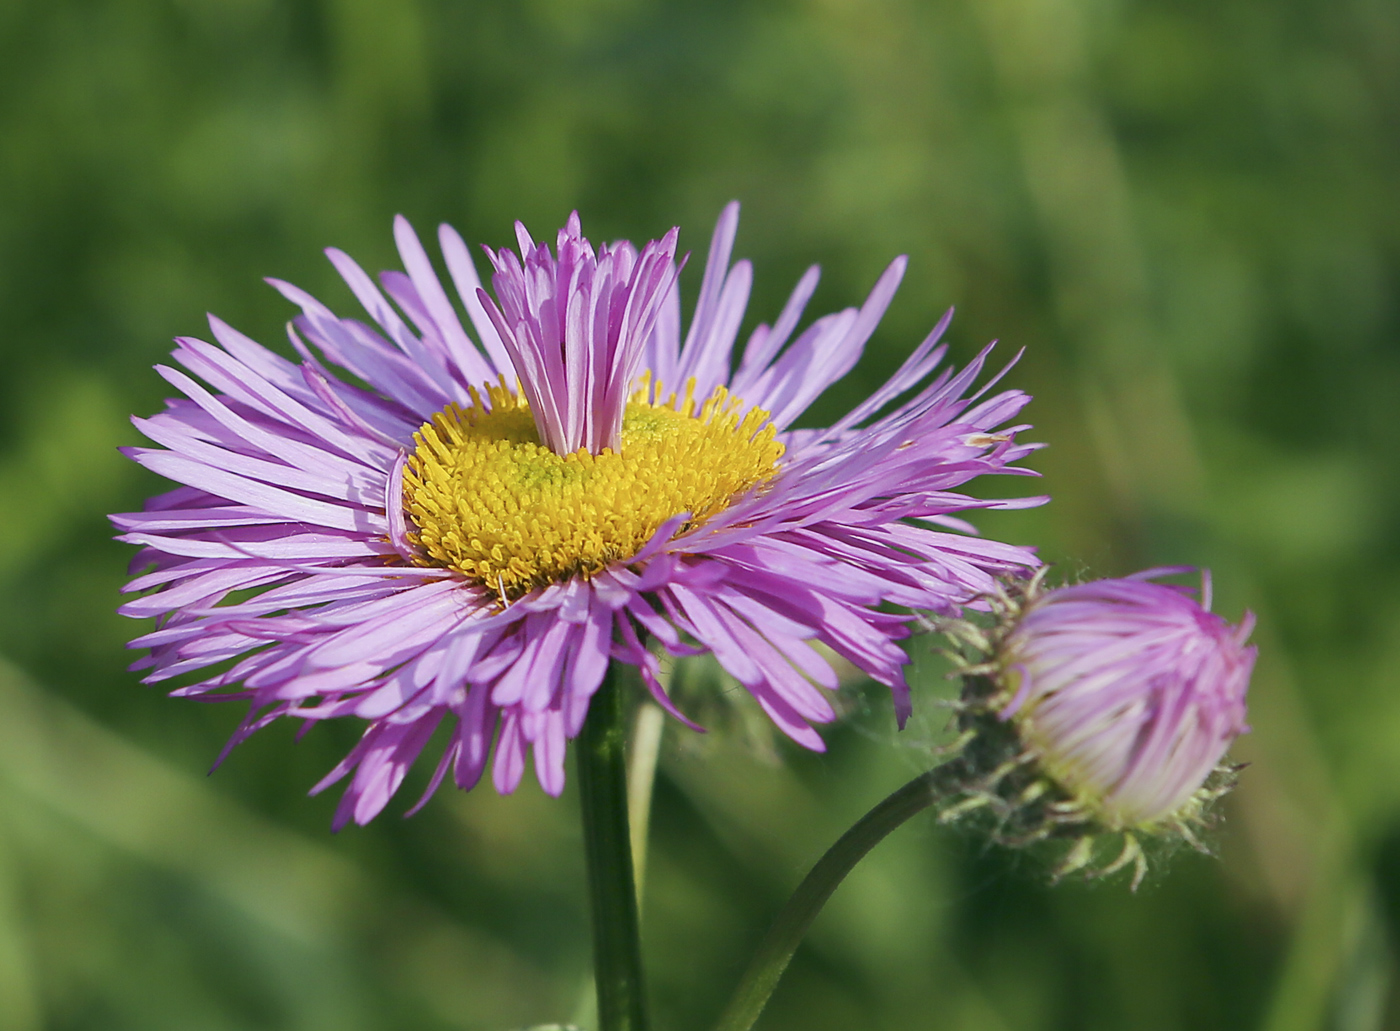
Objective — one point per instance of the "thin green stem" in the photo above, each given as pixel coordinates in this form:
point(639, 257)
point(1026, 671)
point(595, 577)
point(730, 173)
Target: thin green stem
point(788, 930)
point(602, 778)
point(642, 754)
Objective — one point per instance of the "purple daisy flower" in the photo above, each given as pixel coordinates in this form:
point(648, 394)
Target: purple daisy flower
point(471, 532)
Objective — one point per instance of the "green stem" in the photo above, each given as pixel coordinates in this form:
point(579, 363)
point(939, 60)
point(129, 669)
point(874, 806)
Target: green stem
point(642, 753)
point(791, 925)
point(602, 778)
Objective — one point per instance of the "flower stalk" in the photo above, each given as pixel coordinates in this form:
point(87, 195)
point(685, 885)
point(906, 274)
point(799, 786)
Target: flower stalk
point(602, 775)
point(643, 752)
point(792, 923)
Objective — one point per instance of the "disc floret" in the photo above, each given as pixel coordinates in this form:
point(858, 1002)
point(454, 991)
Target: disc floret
point(487, 499)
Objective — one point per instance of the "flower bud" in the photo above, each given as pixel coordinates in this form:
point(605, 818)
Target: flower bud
point(1100, 710)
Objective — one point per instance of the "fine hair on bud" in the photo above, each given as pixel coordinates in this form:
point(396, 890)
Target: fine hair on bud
point(1094, 719)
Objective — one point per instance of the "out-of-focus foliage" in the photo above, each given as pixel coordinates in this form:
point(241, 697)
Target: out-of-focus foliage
point(1185, 211)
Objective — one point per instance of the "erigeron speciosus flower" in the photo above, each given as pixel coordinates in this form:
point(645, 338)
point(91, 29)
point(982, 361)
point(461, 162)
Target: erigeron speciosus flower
point(470, 526)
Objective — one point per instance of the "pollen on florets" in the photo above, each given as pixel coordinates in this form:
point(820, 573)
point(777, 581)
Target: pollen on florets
point(485, 498)
point(1095, 717)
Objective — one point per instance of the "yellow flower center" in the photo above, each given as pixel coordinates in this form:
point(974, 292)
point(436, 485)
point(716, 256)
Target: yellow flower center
point(485, 498)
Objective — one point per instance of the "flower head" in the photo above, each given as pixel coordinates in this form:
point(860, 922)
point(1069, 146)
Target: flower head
point(468, 531)
point(1102, 708)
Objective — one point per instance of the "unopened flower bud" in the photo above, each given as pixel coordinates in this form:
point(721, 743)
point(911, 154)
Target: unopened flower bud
point(1100, 711)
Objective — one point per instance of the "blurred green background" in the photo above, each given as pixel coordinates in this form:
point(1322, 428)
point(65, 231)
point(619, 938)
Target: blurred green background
point(1185, 210)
